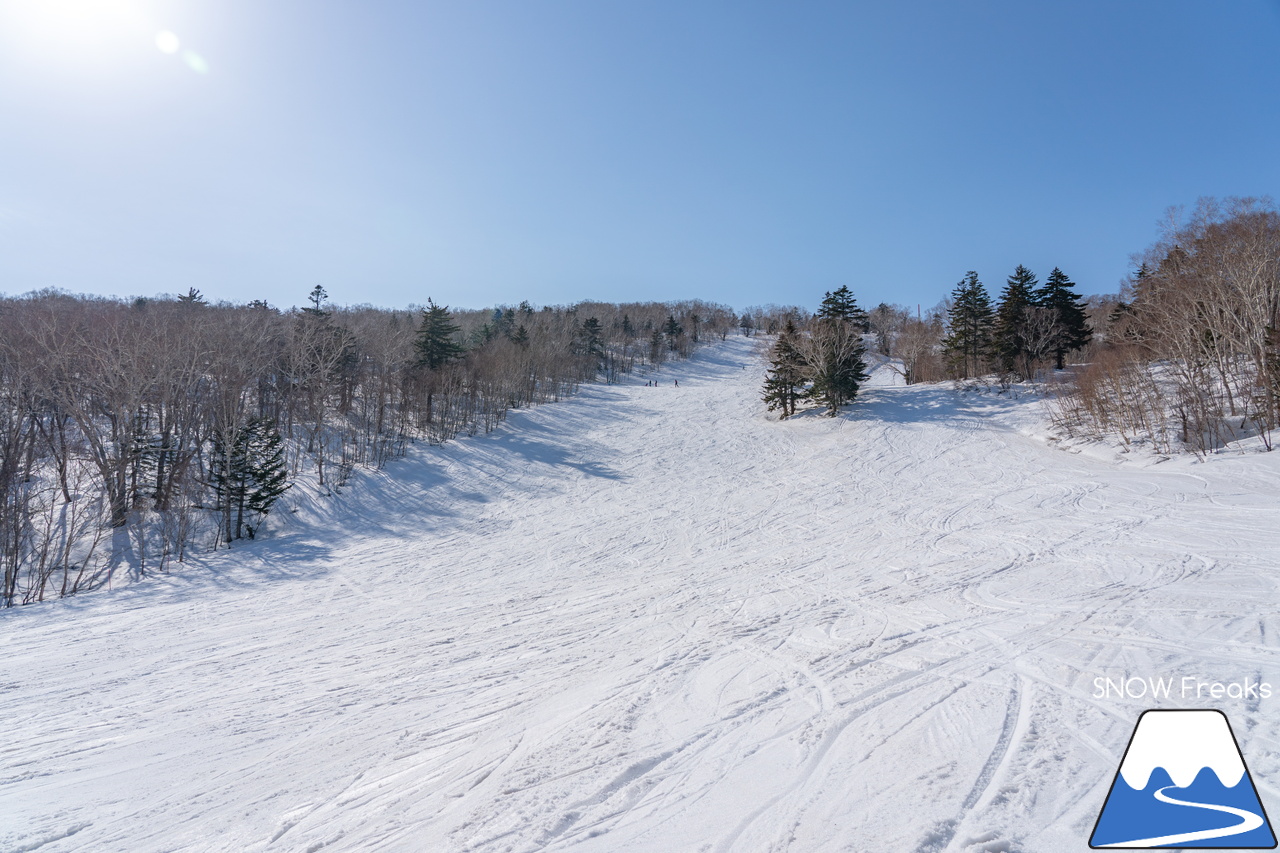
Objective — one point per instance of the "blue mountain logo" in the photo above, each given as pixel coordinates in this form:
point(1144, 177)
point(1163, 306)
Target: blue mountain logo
point(1183, 784)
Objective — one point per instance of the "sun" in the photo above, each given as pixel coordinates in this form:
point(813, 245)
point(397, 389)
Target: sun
point(95, 34)
point(167, 42)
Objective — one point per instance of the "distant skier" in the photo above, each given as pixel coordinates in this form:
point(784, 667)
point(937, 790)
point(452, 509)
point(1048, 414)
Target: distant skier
point(677, 383)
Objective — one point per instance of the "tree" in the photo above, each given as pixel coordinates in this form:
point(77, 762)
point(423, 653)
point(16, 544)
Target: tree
point(192, 297)
point(968, 346)
point(589, 343)
point(317, 298)
point(250, 475)
point(436, 345)
point(840, 305)
point(1008, 339)
point(784, 383)
point(833, 355)
point(1072, 328)
point(672, 330)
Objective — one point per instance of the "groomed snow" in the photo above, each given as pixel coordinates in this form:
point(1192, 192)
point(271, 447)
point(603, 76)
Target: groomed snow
point(654, 619)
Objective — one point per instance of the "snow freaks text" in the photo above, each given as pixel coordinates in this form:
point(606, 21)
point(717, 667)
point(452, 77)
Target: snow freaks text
point(1174, 687)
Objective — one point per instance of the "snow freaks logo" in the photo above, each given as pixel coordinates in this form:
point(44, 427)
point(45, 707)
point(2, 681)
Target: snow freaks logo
point(1183, 783)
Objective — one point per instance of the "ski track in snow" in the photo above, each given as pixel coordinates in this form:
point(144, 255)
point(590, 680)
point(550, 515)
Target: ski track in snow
point(653, 619)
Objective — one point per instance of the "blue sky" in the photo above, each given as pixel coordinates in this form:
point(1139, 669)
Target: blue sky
point(741, 152)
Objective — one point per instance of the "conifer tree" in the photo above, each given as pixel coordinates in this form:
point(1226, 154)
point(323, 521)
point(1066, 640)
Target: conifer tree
point(673, 331)
point(1009, 339)
point(785, 380)
point(841, 305)
point(248, 476)
point(192, 297)
point(968, 346)
point(436, 345)
point(588, 343)
point(1071, 327)
point(834, 359)
point(317, 298)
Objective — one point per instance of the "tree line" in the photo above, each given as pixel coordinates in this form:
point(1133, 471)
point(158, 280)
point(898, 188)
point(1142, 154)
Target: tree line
point(1186, 356)
point(1031, 325)
point(822, 359)
point(131, 429)
point(1191, 354)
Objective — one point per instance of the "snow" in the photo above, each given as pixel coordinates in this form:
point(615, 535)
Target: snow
point(1183, 743)
point(656, 619)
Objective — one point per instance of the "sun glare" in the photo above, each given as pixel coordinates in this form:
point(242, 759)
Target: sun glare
point(98, 34)
point(167, 42)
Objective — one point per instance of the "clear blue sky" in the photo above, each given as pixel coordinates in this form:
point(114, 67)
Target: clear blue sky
point(743, 152)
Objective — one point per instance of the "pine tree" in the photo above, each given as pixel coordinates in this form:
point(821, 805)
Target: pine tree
point(672, 330)
point(841, 305)
point(436, 345)
point(192, 297)
point(248, 476)
point(1008, 339)
point(1072, 326)
point(784, 382)
point(268, 472)
point(317, 298)
point(969, 344)
point(589, 342)
point(655, 346)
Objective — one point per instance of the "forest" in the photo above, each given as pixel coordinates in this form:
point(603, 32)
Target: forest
point(133, 430)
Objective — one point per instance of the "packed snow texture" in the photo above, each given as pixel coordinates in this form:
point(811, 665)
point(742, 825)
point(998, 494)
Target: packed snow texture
point(657, 619)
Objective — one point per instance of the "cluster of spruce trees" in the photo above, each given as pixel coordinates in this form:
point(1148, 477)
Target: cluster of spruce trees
point(823, 363)
point(1029, 326)
point(132, 428)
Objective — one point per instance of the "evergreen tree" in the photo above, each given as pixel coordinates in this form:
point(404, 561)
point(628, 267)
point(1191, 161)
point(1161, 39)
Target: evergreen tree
point(192, 297)
point(248, 476)
point(268, 472)
point(436, 345)
point(841, 305)
point(968, 346)
point(655, 346)
point(834, 357)
point(1072, 326)
point(784, 382)
point(589, 342)
point(1008, 338)
point(672, 330)
point(317, 298)
point(520, 337)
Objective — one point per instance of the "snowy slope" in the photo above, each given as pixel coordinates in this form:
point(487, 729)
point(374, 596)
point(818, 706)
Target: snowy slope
point(652, 619)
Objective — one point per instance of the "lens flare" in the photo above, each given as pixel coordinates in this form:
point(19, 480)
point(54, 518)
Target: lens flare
point(167, 42)
point(195, 62)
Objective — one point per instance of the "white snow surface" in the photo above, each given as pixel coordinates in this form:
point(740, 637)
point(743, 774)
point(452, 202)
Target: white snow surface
point(657, 619)
point(1183, 743)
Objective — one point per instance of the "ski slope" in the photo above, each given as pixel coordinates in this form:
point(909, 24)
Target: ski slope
point(654, 619)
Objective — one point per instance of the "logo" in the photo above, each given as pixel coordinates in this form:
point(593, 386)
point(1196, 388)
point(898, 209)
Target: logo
point(1183, 783)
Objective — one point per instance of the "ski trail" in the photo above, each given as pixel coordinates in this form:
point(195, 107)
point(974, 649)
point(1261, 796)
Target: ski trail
point(654, 619)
